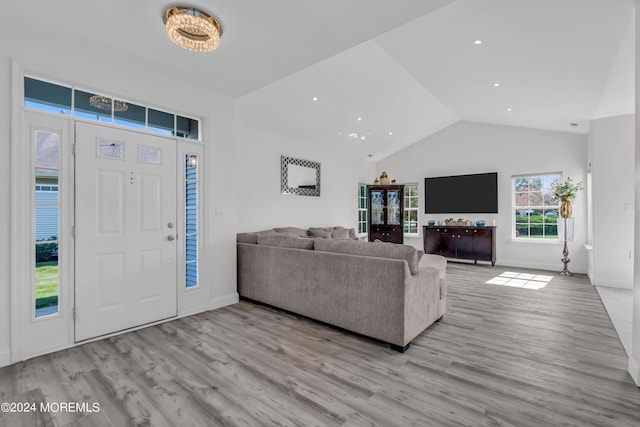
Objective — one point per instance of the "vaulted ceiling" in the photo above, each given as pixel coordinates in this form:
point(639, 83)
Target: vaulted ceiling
point(369, 77)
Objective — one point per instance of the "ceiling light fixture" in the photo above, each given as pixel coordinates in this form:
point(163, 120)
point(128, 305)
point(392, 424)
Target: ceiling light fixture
point(105, 103)
point(477, 42)
point(192, 29)
point(496, 84)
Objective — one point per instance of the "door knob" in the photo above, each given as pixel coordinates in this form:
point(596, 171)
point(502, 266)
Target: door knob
point(171, 237)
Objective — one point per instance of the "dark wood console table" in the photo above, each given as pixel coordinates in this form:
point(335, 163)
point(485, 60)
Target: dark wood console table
point(461, 242)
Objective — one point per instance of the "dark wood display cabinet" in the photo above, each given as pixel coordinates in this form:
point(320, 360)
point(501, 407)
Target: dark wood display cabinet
point(386, 206)
point(461, 242)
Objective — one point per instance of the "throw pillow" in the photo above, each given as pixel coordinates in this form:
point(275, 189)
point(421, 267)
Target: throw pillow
point(285, 240)
point(319, 233)
point(340, 233)
point(293, 230)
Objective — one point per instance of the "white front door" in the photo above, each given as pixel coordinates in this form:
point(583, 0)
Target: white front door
point(125, 230)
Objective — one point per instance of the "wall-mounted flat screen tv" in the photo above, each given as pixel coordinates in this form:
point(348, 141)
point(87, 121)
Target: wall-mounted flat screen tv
point(476, 193)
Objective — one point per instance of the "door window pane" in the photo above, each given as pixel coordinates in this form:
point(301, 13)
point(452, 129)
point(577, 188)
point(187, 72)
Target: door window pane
point(393, 207)
point(377, 207)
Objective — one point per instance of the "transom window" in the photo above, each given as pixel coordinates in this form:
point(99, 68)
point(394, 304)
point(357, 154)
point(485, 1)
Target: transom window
point(71, 101)
point(535, 214)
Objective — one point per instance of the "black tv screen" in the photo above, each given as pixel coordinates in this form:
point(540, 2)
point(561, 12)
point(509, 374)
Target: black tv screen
point(477, 193)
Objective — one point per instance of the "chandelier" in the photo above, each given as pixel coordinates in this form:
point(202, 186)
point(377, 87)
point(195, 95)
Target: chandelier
point(104, 103)
point(192, 29)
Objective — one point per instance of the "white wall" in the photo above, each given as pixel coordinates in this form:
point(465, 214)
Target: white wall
point(634, 357)
point(471, 147)
point(612, 159)
point(121, 77)
point(261, 205)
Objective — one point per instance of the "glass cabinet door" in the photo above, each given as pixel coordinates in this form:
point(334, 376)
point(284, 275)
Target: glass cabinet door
point(377, 207)
point(393, 207)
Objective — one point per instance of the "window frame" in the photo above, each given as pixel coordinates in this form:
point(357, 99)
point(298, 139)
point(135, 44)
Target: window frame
point(546, 191)
point(408, 209)
point(195, 208)
point(363, 212)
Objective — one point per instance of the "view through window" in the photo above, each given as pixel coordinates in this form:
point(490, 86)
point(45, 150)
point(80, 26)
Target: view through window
point(535, 214)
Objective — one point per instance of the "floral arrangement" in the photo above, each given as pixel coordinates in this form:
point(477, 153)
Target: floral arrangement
point(567, 190)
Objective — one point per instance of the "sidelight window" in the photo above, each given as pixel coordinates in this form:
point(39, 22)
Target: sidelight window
point(47, 222)
point(191, 220)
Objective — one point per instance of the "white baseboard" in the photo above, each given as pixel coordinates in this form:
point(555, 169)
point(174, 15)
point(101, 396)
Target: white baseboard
point(634, 370)
point(224, 300)
point(5, 357)
point(612, 284)
point(540, 266)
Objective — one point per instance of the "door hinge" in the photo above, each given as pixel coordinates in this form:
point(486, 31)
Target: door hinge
point(74, 313)
point(74, 149)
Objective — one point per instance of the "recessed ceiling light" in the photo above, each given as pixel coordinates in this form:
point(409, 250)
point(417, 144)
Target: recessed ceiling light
point(477, 41)
point(359, 118)
point(363, 137)
point(496, 84)
point(390, 133)
point(315, 98)
point(509, 109)
point(574, 124)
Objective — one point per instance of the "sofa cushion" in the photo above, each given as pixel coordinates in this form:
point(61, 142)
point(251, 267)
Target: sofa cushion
point(372, 249)
point(285, 240)
point(319, 233)
point(292, 230)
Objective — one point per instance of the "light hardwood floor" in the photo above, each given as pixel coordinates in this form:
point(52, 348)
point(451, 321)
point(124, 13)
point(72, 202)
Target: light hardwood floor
point(501, 356)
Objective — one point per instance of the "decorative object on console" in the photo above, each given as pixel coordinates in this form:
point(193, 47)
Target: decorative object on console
point(459, 221)
point(299, 177)
point(480, 223)
point(566, 192)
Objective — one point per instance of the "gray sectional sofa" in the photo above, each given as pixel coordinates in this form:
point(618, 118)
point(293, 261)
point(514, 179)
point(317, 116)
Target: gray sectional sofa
point(382, 290)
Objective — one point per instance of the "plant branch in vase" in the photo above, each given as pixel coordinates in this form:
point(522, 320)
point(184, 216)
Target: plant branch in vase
point(566, 192)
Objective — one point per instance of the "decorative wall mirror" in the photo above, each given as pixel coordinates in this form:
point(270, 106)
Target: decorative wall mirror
point(301, 177)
